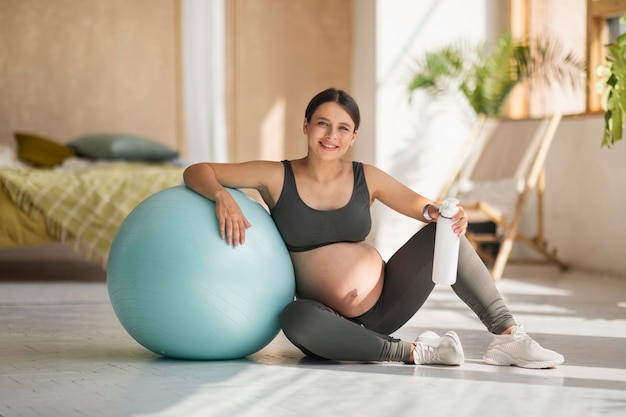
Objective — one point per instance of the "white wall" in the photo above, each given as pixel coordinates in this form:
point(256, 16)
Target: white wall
point(417, 142)
point(586, 197)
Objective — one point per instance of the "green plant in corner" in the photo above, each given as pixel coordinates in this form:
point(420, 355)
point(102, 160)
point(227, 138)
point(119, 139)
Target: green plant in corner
point(612, 85)
point(486, 76)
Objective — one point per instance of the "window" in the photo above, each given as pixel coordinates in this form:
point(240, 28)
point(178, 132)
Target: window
point(615, 28)
point(561, 21)
point(602, 28)
point(584, 27)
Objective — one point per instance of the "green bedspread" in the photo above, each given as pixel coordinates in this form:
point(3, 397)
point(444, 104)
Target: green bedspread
point(84, 208)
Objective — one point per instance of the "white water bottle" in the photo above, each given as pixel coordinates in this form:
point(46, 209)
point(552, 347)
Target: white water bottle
point(446, 257)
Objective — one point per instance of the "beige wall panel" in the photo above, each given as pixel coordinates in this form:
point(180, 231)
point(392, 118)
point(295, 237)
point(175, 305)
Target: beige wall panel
point(283, 52)
point(72, 67)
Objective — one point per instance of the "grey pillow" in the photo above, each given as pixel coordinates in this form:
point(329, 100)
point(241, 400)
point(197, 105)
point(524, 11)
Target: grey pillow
point(110, 146)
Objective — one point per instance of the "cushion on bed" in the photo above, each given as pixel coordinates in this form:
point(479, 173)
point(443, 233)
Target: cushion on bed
point(121, 147)
point(40, 151)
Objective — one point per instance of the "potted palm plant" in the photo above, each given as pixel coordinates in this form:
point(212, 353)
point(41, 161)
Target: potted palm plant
point(485, 76)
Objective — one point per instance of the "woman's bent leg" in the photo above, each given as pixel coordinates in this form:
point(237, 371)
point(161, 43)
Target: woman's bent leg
point(320, 332)
point(408, 283)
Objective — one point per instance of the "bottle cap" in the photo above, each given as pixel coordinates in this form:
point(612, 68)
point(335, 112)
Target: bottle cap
point(448, 207)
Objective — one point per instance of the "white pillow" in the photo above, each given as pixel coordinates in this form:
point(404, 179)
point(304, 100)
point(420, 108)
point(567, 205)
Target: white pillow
point(9, 159)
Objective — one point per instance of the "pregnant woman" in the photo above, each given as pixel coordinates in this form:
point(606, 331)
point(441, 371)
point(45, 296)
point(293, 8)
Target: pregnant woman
point(348, 299)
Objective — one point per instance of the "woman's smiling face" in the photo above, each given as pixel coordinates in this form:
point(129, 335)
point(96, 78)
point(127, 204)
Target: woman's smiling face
point(331, 130)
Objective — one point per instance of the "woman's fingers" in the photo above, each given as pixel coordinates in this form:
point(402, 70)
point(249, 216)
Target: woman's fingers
point(460, 222)
point(232, 222)
point(235, 231)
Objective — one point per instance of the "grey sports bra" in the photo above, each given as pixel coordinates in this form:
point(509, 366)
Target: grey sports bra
point(304, 228)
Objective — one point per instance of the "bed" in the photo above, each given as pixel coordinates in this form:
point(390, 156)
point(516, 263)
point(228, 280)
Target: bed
point(80, 202)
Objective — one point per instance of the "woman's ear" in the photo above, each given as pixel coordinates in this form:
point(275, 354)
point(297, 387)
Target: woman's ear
point(305, 126)
point(354, 135)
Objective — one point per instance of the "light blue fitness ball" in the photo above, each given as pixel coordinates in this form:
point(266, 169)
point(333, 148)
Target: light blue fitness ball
point(182, 292)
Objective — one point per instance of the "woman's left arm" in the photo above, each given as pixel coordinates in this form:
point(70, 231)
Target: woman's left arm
point(397, 196)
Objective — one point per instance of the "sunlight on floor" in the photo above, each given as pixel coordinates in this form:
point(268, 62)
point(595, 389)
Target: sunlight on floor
point(63, 352)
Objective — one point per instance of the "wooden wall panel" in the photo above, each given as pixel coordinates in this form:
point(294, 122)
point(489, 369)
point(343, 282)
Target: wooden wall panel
point(280, 53)
point(71, 67)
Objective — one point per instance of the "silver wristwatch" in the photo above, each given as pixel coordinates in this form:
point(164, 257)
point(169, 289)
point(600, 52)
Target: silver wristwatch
point(425, 212)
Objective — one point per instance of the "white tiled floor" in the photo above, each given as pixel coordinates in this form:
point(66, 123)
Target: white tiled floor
point(63, 353)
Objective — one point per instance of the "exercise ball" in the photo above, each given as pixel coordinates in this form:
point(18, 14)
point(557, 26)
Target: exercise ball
point(182, 292)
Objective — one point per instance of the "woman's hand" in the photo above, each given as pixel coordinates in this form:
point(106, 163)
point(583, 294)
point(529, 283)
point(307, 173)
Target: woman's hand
point(232, 222)
point(460, 222)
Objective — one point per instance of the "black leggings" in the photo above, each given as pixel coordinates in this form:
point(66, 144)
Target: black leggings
point(321, 332)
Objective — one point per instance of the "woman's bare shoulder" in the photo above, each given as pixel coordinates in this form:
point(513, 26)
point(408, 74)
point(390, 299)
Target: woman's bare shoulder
point(382, 185)
point(375, 175)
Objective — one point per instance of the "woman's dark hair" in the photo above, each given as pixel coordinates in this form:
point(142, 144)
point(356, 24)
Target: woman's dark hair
point(340, 97)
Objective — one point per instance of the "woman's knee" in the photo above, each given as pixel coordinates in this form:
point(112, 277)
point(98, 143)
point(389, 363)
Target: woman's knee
point(300, 322)
point(300, 316)
point(469, 258)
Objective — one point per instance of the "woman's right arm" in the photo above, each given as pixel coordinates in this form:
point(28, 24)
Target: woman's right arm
point(203, 180)
point(210, 180)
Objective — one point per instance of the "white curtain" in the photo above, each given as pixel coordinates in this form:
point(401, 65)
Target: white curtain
point(203, 80)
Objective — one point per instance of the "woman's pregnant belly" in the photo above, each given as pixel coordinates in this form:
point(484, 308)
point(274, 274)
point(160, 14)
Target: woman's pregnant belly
point(347, 277)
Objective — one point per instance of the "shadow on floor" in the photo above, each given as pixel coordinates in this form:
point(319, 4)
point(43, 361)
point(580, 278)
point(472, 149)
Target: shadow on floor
point(47, 263)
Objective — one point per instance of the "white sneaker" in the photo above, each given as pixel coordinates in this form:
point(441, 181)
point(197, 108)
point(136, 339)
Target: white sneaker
point(519, 349)
point(430, 349)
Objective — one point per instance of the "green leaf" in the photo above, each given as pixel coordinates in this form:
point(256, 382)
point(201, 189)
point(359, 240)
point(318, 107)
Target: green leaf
point(621, 39)
point(617, 125)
